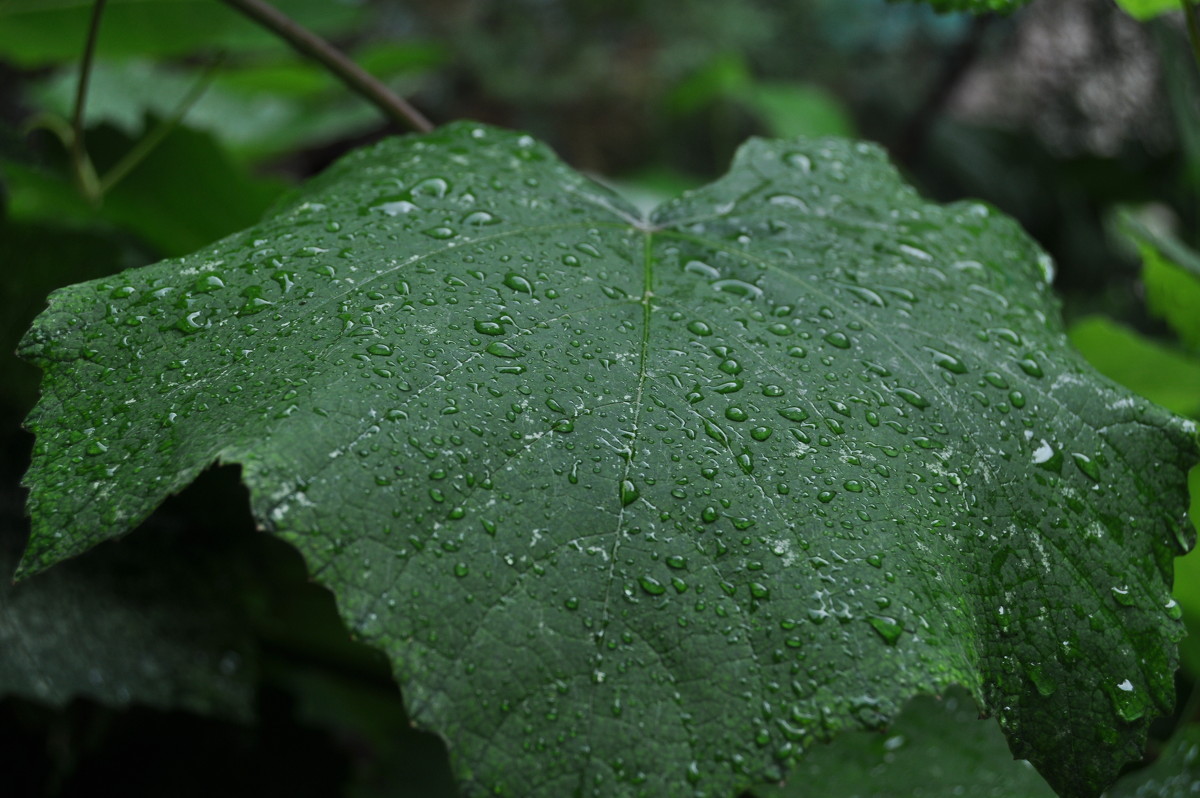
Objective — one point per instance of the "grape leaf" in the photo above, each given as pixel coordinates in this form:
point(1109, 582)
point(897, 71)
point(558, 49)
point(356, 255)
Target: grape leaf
point(649, 505)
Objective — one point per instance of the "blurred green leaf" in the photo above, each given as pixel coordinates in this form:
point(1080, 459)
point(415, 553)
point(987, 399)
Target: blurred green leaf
point(796, 109)
point(186, 194)
point(1175, 774)
point(241, 108)
point(724, 76)
point(1145, 9)
point(1162, 375)
point(1171, 274)
point(787, 109)
point(936, 748)
point(134, 623)
point(36, 33)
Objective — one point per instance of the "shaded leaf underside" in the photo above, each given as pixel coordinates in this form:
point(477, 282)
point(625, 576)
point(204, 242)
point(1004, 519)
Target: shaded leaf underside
point(647, 506)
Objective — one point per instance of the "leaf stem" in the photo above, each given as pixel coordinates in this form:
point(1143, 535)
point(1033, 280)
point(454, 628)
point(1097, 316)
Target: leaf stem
point(85, 173)
point(355, 77)
point(155, 137)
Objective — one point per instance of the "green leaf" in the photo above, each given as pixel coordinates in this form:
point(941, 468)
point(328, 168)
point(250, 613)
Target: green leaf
point(649, 505)
point(185, 193)
point(794, 109)
point(1173, 291)
point(973, 6)
point(937, 748)
point(1175, 773)
point(1147, 9)
point(36, 33)
point(134, 623)
point(255, 111)
point(1163, 375)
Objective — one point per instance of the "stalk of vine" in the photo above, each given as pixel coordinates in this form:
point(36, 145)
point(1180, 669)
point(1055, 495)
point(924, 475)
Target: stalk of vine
point(85, 172)
point(355, 77)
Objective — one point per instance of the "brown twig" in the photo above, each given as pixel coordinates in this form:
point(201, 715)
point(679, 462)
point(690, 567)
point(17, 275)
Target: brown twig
point(355, 77)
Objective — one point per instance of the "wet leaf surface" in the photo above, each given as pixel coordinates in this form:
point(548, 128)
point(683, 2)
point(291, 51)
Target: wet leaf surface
point(649, 505)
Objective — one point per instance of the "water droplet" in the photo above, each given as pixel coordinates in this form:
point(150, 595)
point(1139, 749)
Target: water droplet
point(629, 493)
point(889, 629)
point(761, 433)
point(501, 349)
point(715, 432)
point(699, 328)
point(1044, 684)
point(519, 283)
point(738, 288)
point(480, 219)
point(1128, 704)
point(838, 339)
point(379, 349)
point(441, 232)
point(1087, 465)
point(912, 397)
point(702, 269)
point(435, 187)
point(461, 569)
point(652, 586)
point(1030, 367)
point(488, 327)
point(947, 361)
point(736, 414)
point(796, 414)
point(1123, 596)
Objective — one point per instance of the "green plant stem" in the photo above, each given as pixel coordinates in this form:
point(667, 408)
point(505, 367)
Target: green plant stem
point(85, 173)
point(152, 139)
point(1193, 27)
point(355, 77)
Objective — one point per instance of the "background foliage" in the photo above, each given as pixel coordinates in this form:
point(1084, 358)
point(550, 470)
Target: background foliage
point(1093, 145)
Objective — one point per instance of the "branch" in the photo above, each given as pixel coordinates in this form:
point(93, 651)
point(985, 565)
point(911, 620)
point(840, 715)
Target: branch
point(85, 173)
point(355, 77)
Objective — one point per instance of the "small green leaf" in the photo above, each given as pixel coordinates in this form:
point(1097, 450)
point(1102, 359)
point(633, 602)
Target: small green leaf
point(1166, 376)
point(732, 478)
point(1148, 9)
